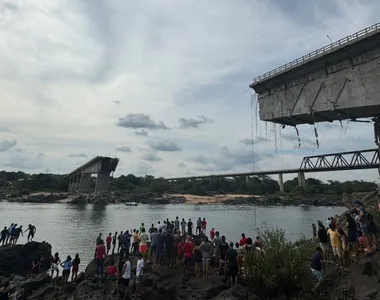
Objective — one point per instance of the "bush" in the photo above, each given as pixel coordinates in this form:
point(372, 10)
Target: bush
point(282, 270)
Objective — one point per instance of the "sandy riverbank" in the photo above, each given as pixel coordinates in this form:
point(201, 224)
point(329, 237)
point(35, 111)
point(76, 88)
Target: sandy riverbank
point(193, 199)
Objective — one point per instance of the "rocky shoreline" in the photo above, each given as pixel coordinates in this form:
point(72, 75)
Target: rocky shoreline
point(157, 282)
point(158, 198)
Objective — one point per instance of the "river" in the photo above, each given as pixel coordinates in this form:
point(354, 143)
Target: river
point(73, 228)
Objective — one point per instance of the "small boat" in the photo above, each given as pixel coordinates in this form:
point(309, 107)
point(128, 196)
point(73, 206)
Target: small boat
point(130, 203)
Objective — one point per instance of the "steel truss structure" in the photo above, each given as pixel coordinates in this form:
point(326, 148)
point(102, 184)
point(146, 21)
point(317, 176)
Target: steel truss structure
point(351, 160)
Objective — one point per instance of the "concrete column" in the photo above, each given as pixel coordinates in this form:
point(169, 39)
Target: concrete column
point(301, 179)
point(102, 183)
point(281, 183)
point(85, 183)
point(70, 184)
point(247, 179)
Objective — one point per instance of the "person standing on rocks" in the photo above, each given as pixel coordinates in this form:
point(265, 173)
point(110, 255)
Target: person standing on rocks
point(204, 225)
point(159, 246)
point(324, 242)
point(4, 235)
point(183, 226)
point(54, 265)
point(76, 263)
point(190, 227)
point(9, 233)
point(18, 231)
point(188, 254)
point(232, 265)
point(32, 231)
point(67, 264)
point(199, 226)
point(120, 241)
point(99, 239)
point(126, 276)
point(139, 269)
point(151, 230)
point(206, 249)
point(176, 224)
point(114, 239)
point(143, 245)
point(217, 240)
point(314, 228)
point(108, 242)
point(152, 248)
point(100, 253)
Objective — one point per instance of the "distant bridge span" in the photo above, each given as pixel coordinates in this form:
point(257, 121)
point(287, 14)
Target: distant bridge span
point(341, 161)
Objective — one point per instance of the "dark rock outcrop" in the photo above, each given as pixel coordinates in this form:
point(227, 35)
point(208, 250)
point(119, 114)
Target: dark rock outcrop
point(18, 259)
point(38, 198)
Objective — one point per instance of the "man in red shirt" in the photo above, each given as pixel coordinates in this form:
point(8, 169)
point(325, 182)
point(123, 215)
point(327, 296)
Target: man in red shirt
point(188, 254)
point(100, 253)
point(204, 224)
point(108, 242)
point(243, 240)
point(212, 234)
point(111, 271)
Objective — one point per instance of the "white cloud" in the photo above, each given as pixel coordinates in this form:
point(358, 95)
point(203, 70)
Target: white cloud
point(71, 70)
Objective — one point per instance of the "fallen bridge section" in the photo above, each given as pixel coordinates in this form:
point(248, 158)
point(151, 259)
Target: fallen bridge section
point(337, 82)
point(80, 178)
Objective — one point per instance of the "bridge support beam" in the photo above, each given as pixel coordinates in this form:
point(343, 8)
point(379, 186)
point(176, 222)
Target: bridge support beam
point(281, 183)
point(301, 179)
point(85, 183)
point(102, 183)
point(247, 179)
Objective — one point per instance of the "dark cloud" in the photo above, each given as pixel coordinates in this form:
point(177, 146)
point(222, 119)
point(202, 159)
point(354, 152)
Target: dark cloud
point(185, 123)
point(124, 149)
point(140, 121)
point(141, 132)
point(151, 157)
point(77, 155)
point(256, 140)
point(164, 145)
point(6, 145)
point(181, 165)
point(116, 102)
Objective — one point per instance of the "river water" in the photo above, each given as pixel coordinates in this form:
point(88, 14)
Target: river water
point(73, 228)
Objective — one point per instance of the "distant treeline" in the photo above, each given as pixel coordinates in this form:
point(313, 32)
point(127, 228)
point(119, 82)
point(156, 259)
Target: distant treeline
point(24, 183)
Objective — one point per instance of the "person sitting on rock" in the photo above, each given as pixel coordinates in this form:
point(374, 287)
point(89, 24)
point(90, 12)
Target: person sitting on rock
point(76, 263)
point(36, 264)
point(317, 265)
point(66, 265)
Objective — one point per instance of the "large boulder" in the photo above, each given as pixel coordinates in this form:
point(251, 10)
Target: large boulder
point(34, 284)
point(18, 259)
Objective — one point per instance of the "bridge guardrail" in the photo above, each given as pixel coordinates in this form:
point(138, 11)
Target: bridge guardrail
point(319, 51)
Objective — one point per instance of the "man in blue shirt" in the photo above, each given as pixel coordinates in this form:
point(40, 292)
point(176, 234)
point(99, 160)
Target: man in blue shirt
point(317, 264)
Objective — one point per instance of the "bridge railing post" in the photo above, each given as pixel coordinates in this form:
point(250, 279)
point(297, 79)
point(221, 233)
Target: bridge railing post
point(281, 183)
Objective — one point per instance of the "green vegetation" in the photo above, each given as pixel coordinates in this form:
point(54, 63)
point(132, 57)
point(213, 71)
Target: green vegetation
point(22, 182)
point(282, 270)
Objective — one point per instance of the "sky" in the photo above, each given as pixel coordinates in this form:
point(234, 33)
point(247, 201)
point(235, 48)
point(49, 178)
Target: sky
point(162, 85)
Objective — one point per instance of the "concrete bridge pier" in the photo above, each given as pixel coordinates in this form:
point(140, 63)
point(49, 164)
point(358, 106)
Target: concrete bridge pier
point(102, 183)
point(85, 183)
point(301, 179)
point(247, 179)
point(281, 183)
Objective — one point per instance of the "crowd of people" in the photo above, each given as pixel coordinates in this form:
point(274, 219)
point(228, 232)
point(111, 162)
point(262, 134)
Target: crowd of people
point(343, 241)
point(11, 234)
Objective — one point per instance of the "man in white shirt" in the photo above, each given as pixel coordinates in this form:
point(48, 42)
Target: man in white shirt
point(139, 269)
point(126, 276)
